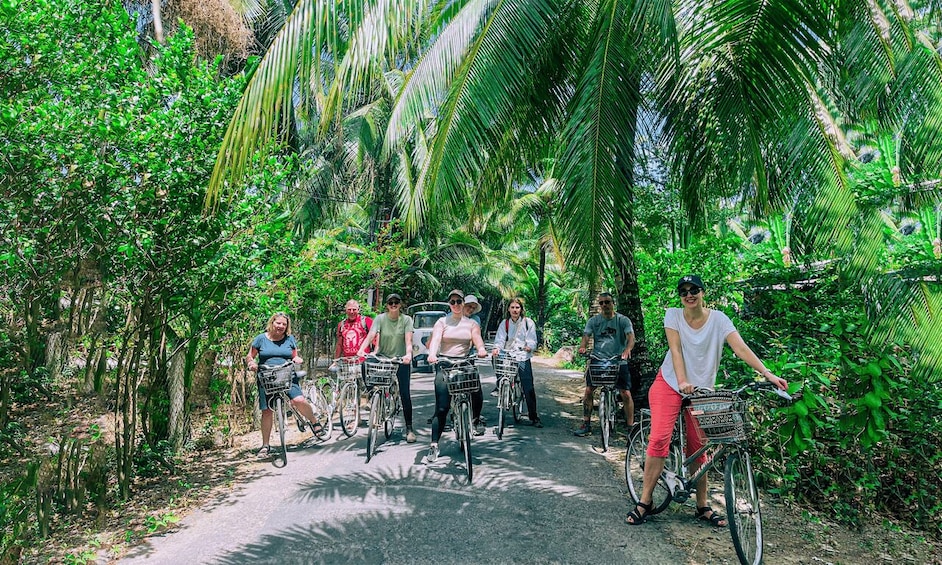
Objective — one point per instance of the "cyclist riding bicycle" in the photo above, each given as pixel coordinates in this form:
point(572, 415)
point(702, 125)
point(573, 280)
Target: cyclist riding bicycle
point(395, 340)
point(613, 335)
point(453, 336)
point(274, 347)
point(695, 337)
point(518, 333)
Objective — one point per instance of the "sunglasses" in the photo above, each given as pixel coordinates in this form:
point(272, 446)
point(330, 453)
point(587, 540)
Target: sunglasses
point(455, 302)
point(393, 303)
point(691, 291)
point(605, 302)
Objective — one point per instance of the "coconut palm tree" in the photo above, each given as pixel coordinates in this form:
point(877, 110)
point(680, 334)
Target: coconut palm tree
point(745, 97)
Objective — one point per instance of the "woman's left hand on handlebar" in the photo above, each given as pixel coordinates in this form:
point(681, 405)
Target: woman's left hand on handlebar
point(297, 360)
point(482, 353)
point(406, 359)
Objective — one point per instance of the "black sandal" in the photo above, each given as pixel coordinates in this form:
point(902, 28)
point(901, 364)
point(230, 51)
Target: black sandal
point(714, 518)
point(636, 518)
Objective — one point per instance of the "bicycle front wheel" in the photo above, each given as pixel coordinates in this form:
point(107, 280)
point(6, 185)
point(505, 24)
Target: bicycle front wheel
point(635, 460)
point(519, 400)
point(349, 401)
point(465, 421)
point(604, 410)
point(504, 395)
point(742, 508)
point(280, 416)
point(376, 407)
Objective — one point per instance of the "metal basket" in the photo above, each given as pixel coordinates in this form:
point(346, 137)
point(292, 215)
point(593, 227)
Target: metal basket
point(603, 373)
point(275, 380)
point(349, 368)
point(462, 379)
point(720, 416)
point(505, 366)
point(379, 372)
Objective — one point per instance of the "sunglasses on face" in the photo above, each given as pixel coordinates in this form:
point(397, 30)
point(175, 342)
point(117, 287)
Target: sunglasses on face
point(605, 302)
point(691, 291)
point(393, 303)
point(455, 302)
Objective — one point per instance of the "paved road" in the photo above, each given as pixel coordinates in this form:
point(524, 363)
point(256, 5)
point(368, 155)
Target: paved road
point(539, 496)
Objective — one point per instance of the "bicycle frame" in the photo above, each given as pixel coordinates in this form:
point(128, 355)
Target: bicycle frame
point(462, 379)
point(509, 396)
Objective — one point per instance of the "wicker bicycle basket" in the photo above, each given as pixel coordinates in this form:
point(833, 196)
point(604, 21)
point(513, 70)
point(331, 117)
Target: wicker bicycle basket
point(720, 416)
point(275, 380)
point(462, 379)
point(379, 372)
point(505, 366)
point(602, 373)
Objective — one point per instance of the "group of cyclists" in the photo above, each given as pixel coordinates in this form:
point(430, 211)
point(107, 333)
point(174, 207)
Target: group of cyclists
point(695, 336)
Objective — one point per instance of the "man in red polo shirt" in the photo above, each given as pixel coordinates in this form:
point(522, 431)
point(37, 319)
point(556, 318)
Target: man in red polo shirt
point(352, 331)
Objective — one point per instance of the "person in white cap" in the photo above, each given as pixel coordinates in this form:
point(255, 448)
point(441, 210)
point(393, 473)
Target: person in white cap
point(472, 307)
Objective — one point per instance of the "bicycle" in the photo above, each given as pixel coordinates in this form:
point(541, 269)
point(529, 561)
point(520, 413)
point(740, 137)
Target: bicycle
point(462, 378)
point(276, 382)
point(723, 426)
point(603, 373)
point(509, 390)
point(385, 405)
point(338, 390)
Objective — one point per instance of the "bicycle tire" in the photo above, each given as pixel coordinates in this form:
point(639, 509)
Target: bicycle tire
point(280, 415)
point(634, 471)
point(742, 508)
point(604, 409)
point(503, 394)
point(465, 419)
point(373, 427)
point(349, 402)
point(389, 415)
point(516, 395)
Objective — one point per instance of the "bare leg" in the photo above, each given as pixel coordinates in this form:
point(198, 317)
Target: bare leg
point(628, 405)
point(268, 420)
point(701, 495)
point(587, 404)
point(303, 407)
point(652, 472)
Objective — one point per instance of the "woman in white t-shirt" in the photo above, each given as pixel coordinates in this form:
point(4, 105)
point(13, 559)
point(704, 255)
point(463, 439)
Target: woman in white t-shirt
point(695, 336)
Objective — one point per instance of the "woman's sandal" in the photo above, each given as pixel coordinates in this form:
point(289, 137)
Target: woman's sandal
point(636, 518)
point(714, 518)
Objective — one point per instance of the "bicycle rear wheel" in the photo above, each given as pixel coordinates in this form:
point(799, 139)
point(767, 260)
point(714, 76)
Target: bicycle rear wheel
point(322, 412)
point(464, 419)
point(503, 394)
point(742, 508)
point(349, 401)
point(280, 416)
point(389, 414)
point(635, 460)
point(376, 408)
point(604, 410)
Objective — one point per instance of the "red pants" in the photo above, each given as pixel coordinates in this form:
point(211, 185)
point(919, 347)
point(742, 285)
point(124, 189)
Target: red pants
point(665, 405)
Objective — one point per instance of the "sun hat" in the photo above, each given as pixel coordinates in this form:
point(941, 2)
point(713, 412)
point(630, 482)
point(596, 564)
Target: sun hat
point(456, 292)
point(691, 279)
point(471, 299)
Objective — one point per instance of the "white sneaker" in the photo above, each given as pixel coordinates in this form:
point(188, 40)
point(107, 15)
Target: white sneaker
point(410, 435)
point(432, 453)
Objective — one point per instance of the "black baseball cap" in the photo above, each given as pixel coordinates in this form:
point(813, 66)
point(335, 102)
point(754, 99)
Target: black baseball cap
point(691, 279)
point(393, 296)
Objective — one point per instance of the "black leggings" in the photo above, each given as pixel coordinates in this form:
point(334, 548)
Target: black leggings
point(404, 375)
point(443, 404)
point(529, 392)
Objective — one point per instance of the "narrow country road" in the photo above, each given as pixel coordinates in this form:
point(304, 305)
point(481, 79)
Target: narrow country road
point(539, 496)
